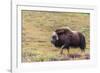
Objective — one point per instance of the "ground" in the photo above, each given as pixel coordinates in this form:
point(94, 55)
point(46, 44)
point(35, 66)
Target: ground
point(37, 28)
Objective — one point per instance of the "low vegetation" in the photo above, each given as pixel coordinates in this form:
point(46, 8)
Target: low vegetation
point(37, 28)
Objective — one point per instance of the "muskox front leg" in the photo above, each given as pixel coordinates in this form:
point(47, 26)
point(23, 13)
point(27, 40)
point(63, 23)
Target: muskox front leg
point(68, 50)
point(61, 52)
point(64, 46)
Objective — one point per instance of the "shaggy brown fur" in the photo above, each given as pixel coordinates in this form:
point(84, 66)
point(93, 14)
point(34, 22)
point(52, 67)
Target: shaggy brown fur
point(65, 38)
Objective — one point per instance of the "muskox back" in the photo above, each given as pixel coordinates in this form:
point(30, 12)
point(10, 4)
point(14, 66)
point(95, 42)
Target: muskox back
point(66, 38)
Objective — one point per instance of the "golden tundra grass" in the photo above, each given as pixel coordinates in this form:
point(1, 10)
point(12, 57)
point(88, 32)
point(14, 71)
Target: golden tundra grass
point(37, 28)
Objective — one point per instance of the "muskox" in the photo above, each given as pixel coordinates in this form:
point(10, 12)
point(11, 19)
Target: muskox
point(65, 38)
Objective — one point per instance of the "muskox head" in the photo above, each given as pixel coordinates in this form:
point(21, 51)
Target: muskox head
point(59, 36)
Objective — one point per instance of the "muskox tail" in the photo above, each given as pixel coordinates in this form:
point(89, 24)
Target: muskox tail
point(82, 42)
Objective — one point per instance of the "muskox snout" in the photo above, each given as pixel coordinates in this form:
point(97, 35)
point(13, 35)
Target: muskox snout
point(54, 38)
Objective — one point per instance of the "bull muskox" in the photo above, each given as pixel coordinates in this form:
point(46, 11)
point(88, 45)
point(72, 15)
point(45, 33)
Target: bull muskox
point(65, 38)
